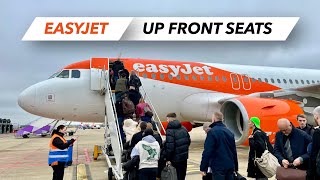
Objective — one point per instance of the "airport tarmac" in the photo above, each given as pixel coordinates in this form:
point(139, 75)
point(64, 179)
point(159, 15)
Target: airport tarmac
point(27, 158)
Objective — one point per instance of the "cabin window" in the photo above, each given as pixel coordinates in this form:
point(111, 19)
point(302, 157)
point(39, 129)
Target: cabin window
point(145, 75)
point(285, 81)
point(201, 78)
point(178, 77)
point(245, 79)
point(153, 76)
point(297, 82)
point(224, 79)
point(290, 80)
point(302, 82)
point(162, 76)
point(170, 76)
point(210, 78)
point(308, 82)
point(279, 81)
point(272, 80)
point(265, 80)
point(75, 74)
point(318, 81)
point(194, 77)
point(313, 82)
point(235, 79)
point(186, 77)
point(260, 79)
point(217, 78)
point(64, 74)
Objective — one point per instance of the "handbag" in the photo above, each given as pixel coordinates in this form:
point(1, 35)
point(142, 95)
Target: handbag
point(238, 176)
point(289, 173)
point(267, 163)
point(169, 173)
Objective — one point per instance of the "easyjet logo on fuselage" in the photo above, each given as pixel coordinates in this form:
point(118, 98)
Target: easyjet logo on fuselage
point(174, 70)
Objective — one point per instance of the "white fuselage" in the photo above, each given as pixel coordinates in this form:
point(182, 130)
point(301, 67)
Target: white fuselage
point(72, 99)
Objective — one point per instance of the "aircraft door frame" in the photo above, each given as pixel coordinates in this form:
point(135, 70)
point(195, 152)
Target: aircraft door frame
point(246, 85)
point(235, 85)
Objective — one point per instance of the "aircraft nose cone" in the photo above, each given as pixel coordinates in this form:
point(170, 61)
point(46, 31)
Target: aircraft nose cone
point(26, 99)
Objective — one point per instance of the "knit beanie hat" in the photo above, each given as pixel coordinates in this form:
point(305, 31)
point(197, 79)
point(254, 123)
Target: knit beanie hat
point(255, 121)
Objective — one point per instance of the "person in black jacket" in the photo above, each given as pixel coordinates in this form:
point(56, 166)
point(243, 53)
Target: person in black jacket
point(303, 124)
point(177, 145)
point(134, 95)
point(117, 66)
point(291, 145)
point(315, 149)
point(58, 142)
point(258, 142)
point(220, 153)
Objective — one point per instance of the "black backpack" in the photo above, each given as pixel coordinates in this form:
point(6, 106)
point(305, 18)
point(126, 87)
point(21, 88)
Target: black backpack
point(135, 81)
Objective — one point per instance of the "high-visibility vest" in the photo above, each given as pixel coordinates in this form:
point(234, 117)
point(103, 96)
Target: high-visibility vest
point(55, 154)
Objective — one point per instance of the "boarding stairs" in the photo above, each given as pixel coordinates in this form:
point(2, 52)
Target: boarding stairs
point(100, 82)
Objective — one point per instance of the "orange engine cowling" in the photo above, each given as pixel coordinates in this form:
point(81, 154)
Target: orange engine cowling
point(238, 111)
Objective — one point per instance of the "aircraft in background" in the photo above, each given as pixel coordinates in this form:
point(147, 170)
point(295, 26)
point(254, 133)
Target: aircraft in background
point(193, 90)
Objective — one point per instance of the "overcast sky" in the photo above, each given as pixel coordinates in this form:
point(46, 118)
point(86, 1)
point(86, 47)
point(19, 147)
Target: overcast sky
point(26, 63)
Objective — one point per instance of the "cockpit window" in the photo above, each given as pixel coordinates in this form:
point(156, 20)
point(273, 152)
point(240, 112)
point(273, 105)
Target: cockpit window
point(64, 74)
point(75, 74)
point(54, 75)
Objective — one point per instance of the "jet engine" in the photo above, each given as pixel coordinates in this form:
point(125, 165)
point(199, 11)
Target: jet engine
point(238, 111)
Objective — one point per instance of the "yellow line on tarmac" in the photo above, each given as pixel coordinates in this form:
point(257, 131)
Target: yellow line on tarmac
point(81, 172)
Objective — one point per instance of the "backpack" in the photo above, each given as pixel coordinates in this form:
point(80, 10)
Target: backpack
point(135, 81)
point(127, 106)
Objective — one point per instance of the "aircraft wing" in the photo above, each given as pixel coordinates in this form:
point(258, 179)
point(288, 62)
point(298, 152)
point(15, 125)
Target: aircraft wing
point(313, 88)
point(309, 95)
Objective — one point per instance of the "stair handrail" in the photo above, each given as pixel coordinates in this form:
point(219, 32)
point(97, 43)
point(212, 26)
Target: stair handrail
point(108, 89)
point(146, 97)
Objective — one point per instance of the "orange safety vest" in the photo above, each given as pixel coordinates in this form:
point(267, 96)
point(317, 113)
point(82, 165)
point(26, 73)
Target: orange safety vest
point(55, 154)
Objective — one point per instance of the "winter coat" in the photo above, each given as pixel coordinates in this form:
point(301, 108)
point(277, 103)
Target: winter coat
point(258, 145)
point(177, 142)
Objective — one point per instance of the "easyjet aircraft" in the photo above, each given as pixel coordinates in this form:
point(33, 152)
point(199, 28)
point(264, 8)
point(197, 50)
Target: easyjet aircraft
point(193, 90)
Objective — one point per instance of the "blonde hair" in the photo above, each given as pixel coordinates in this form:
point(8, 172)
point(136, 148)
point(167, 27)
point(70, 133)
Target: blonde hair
point(141, 100)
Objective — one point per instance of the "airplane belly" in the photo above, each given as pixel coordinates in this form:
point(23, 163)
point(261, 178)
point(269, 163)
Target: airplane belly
point(201, 106)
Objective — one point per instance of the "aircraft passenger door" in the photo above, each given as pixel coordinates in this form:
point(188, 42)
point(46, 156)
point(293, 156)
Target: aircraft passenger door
point(96, 73)
point(235, 81)
point(246, 83)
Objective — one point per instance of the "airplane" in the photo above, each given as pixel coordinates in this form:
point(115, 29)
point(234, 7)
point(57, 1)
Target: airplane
point(193, 90)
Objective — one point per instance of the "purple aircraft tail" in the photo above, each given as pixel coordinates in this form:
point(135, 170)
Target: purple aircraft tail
point(26, 130)
point(43, 130)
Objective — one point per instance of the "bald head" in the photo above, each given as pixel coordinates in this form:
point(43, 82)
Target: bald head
point(284, 126)
point(316, 115)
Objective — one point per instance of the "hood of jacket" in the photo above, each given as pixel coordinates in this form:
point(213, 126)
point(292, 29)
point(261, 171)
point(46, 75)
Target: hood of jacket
point(175, 124)
point(149, 139)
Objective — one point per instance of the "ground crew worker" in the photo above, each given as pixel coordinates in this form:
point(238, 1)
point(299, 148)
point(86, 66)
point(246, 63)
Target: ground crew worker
point(58, 153)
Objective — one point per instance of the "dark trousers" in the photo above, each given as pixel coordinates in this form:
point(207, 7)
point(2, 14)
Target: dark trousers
point(181, 168)
point(58, 171)
point(223, 175)
point(148, 174)
point(122, 135)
